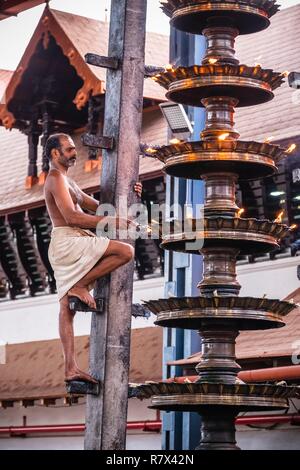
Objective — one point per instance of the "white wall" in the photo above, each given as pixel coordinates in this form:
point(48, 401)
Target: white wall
point(36, 318)
point(276, 279)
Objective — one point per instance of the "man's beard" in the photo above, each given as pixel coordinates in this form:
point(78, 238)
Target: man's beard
point(67, 162)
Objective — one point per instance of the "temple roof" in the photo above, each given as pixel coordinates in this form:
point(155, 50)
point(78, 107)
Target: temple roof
point(75, 36)
point(14, 197)
point(70, 37)
point(10, 8)
point(46, 359)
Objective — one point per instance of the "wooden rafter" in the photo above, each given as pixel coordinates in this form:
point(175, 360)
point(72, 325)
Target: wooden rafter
point(13, 7)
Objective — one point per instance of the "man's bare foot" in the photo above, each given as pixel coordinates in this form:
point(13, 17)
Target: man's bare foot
point(77, 374)
point(83, 294)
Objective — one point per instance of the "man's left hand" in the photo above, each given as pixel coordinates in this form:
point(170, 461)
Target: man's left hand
point(138, 187)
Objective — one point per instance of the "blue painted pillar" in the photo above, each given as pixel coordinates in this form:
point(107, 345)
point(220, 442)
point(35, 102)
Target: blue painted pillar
point(183, 271)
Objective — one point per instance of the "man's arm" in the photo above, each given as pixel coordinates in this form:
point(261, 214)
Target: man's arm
point(91, 204)
point(88, 202)
point(75, 218)
point(59, 190)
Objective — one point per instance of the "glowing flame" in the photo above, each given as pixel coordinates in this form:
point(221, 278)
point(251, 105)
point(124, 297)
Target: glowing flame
point(146, 228)
point(240, 212)
point(150, 150)
point(269, 139)
point(285, 74)
point(175, 141)
point(279, 217)
point(292, 227)
point(212, 61)
point(291, 148)
point(223, 136)
point(169, 68)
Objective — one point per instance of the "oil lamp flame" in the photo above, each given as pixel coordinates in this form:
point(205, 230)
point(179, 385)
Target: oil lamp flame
point(291, 148)
point(150, 150)
point(175, 141)
point(223, 136)
point(212, 61)
point(169, 68)
point(240, 212)
point(286, 73)
point(269, 139)
point(279, 217)
point(292, 227)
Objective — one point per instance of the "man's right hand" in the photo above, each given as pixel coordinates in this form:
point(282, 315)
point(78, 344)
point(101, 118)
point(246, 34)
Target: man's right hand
point(124, 224)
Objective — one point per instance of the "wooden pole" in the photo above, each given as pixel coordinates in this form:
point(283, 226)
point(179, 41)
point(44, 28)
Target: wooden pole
point(110, 331)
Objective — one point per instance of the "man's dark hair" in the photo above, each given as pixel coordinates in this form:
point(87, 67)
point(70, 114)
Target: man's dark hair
point(53, 142)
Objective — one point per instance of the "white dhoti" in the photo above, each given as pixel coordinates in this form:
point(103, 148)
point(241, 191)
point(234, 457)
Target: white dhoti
point(73, 252)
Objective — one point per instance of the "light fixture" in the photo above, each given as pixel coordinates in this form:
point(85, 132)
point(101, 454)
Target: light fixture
point(177, 119)
point(277, 193)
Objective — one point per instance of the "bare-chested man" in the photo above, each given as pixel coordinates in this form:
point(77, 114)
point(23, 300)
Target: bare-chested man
point(77, 255)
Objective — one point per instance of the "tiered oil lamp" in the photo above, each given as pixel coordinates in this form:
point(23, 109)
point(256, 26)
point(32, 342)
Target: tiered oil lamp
point(220, 84)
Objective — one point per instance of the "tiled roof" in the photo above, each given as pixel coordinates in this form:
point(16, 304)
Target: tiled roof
point(14, 160)
point(272, 343)
point(13, 7)
point(278, 48)
point(46, 360)
point(90, 35)
point(83, 33)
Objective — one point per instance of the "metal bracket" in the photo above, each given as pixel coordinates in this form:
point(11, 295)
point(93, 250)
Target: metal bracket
point(152, 70)
point(78, 387)
point(102, 61)
point(134, 391)
point(78, 306)
point(100, 142)
point(139, 310)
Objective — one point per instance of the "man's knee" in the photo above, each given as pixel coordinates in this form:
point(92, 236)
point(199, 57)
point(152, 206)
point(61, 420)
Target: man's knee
point(127, 253)
point(64, 307)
